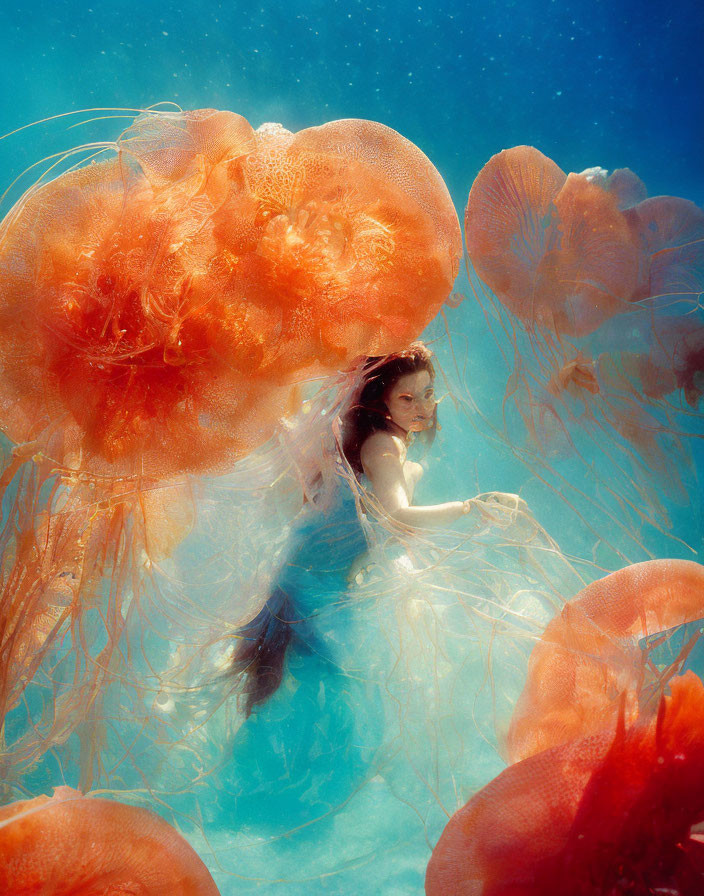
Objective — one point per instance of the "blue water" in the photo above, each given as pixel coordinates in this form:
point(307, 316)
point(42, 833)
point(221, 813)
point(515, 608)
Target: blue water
point(586, 82)
point(598, 83)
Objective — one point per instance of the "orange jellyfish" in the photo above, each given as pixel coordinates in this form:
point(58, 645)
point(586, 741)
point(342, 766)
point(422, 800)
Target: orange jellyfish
point(597, 289)
point(589, 659)
point(157, 308)
point(612, 813)
point(555, 249)
point(606, 784)
point(84, 846)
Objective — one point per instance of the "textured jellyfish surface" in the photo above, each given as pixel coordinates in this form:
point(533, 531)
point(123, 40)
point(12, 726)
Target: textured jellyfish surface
point(73, 844)
point(184, 314)
point(605, 784)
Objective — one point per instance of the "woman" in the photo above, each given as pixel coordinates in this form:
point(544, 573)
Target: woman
point(394, 401)
point(315, 709)
point(397, 400)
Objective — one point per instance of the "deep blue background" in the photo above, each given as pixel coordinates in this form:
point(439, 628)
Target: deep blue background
point(587, 82)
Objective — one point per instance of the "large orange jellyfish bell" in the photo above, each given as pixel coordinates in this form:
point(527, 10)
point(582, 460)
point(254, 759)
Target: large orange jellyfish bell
point(554, 248)
point(72, 845)
point(356, 238)
point(588, 665)
point(156, 307)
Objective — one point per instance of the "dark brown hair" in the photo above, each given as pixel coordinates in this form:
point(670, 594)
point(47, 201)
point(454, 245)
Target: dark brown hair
point(368, 412)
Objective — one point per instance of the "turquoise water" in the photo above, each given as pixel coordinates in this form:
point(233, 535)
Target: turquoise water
point(586, 83)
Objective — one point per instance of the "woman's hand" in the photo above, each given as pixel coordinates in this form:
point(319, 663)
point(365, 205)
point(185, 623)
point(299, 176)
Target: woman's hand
point(498, 508)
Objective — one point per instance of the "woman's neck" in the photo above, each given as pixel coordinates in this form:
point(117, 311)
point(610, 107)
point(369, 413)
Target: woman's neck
point(399, 431)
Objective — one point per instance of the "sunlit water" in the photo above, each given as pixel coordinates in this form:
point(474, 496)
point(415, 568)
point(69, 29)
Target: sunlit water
point(586, 83)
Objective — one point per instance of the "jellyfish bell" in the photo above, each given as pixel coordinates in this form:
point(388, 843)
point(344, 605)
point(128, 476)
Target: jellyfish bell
point(74, 844)
point(589, 660)
point(567, 253)
point(669, 232)
point(343, 211)
point(154, 307)
point(112, 355)
point(609, 812)
point(553, 247)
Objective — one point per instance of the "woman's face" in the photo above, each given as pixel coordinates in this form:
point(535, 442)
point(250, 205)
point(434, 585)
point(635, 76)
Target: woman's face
point(411, 401)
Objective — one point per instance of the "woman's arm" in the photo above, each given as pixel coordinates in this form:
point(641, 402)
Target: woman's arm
point(382, 460)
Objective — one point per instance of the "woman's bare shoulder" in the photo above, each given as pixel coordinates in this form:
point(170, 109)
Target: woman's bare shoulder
point(380, 445)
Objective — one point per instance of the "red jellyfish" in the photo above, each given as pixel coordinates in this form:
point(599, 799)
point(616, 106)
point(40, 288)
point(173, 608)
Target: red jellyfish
point(75, 845)
point(157, 307)
point(607, 780)
point(610, 814)
point(591, 282)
